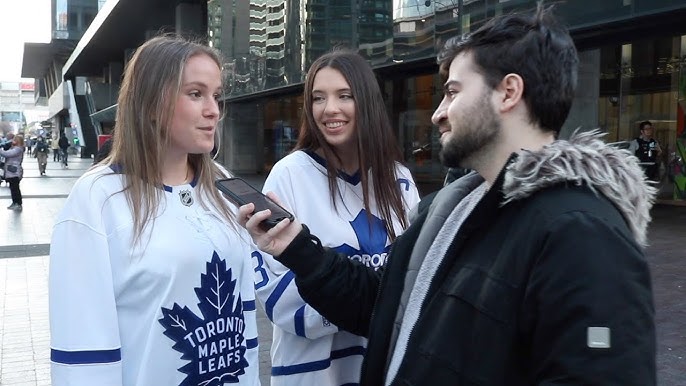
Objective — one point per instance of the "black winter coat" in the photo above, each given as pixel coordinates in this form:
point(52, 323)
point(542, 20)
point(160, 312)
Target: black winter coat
point(538, 267)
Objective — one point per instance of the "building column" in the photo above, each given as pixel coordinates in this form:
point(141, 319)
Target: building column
point(113, 72)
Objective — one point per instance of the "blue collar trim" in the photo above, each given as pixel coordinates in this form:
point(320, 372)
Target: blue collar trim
point(352, 180)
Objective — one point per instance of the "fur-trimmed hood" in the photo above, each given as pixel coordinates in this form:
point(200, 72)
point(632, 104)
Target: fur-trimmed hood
point(585, 159)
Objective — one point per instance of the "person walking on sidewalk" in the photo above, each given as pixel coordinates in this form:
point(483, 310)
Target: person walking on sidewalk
point(29, 145)
point(14, 171)
point(64, 147)
point(529, 270)
point(41, 154)
point(139, 308)
point(55, 146)
point(5, 144)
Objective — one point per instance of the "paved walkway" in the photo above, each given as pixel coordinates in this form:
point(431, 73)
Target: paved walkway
point(24, 246)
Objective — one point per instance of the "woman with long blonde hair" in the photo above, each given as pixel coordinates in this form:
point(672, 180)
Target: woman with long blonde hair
point(150, 278)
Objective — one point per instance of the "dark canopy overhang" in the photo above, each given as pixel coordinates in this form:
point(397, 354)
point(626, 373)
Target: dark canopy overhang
point(38, 56)
point(119, 26)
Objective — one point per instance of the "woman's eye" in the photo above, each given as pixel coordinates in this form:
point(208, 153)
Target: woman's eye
point(317, 99)
point(195, 94)
point(346, 96)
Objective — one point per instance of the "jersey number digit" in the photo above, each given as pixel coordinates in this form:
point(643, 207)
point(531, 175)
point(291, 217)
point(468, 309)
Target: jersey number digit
point(259, 269)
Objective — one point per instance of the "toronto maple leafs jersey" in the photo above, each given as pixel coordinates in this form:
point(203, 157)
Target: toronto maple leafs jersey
point(176, 308)
point(307, 349)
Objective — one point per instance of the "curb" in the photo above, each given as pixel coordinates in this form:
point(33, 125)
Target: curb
point(11, 251)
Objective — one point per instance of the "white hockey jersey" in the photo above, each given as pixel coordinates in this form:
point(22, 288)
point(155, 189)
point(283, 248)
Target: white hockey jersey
point(307, 349)
point(178, 308)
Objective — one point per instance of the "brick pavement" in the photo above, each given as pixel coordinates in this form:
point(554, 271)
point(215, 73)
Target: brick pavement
point(24, 333)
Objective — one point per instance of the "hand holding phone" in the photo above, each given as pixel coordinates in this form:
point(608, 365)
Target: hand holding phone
point(241, 192)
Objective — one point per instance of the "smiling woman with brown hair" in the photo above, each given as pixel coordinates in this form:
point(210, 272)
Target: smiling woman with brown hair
point(347, 180)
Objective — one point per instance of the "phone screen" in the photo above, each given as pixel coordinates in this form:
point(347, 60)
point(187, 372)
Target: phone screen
point(241, 192)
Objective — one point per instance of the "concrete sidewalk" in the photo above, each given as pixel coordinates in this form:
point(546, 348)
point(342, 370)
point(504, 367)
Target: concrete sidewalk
point(27, 233)
point(24, 246)
point(24, 329)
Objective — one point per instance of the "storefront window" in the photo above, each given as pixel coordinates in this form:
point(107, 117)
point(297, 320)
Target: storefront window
point(268, 46)
point(281, 125)
point(644, 80)
point(413, 102)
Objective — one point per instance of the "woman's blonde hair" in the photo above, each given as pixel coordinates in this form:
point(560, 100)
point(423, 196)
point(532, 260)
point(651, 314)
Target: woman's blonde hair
point(146, 102)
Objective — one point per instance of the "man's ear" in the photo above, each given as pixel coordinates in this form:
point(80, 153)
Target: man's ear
point(511, 90)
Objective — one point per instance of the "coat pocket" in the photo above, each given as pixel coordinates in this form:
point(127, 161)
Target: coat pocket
point(469, 329)
point(491, 296)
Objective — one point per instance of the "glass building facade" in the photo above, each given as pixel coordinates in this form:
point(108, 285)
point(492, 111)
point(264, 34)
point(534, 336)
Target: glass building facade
point(269, 44)
point(72, 17)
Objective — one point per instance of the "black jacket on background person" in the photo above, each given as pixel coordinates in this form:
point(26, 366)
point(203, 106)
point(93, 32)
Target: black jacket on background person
point(549, 256)
point(63, 143)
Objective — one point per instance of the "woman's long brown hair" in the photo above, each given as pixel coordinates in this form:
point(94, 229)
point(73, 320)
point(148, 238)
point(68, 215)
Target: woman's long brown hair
point(377, 147)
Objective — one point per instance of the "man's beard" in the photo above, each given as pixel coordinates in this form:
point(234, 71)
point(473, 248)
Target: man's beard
point(478, 128)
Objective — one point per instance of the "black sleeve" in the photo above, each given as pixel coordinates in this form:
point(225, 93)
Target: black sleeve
point(590, 292)
point(340, 289)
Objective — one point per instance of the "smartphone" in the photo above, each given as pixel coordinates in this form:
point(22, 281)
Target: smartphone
point(241, 192)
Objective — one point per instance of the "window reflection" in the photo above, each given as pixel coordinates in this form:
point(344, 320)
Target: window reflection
point(282, 122)
point(641, 80)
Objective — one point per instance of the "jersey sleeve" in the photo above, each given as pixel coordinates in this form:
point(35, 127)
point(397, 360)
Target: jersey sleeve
point(84, 342)
point(274, 283)
point(408, 188)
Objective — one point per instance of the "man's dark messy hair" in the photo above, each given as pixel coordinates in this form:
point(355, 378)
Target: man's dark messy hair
point(536, 47)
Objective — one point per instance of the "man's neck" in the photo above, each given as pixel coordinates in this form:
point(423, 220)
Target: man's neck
point(513, 140)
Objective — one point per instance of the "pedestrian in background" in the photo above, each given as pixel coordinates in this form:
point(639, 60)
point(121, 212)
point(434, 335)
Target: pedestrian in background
point(165, 293)
point(14, 156)
point(346, 180)
point(55, 146)
point(647, 149)
point(64, 149)
point(528, 271)
point(41, 154)
point(29, 145)
point(5, 144)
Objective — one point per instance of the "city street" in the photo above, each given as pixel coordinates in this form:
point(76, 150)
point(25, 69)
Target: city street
point(24, 246)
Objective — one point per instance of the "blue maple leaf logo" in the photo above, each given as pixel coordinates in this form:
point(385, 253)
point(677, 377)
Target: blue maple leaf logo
point(372, 239)
point(214, 344)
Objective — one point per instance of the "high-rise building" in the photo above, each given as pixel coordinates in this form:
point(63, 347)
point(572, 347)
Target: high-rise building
point(632, 54)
